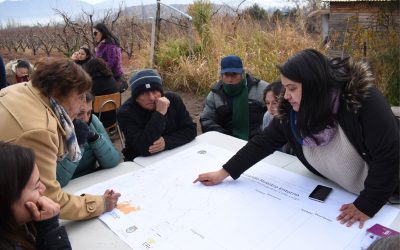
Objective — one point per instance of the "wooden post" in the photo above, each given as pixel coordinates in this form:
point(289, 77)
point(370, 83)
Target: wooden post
point(158, 27)
point(190, 27)
point(365, 49)
point(153, 38)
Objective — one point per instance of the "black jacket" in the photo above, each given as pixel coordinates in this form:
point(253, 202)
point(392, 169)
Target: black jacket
point(105, 85)
point(3, 81)
point(142, 127)
point(49, 236)
point(369, 124)
point(217, 112)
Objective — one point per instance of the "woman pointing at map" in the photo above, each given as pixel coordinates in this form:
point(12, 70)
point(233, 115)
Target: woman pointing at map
point(340, 127)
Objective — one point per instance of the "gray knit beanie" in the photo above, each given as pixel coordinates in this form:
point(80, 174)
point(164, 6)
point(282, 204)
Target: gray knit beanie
point(145, 80)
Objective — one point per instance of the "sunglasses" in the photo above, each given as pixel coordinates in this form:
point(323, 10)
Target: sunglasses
point(95, 33)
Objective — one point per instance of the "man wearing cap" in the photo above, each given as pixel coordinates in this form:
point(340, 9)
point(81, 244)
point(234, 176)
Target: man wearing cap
point(151, 121)
point(235, 104)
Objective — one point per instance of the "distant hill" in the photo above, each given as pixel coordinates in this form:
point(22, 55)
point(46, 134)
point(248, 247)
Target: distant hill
point(147, 11)
point(31, 11)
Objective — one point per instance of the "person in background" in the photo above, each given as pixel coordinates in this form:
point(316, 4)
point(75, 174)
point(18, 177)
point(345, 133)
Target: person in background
point(325, 114)
point(270, 96)
point(84, 55)
point(28, 220)
point(151, 121)
point(94, 143)
point(3, 81)
point(386, 243)
point(235, 105)
point(75, 56)
point(108, 48)
point(18, 71)
point(103, 84)
point(39, 114)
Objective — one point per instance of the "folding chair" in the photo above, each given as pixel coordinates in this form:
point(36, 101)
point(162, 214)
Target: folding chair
point(105, 103)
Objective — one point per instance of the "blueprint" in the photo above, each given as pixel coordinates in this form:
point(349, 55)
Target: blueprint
point(266, 208)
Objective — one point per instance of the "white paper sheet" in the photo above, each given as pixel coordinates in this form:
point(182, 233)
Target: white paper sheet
point(266, 208)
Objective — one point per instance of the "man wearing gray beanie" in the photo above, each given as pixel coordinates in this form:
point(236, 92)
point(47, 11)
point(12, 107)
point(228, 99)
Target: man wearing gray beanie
point(151, 120)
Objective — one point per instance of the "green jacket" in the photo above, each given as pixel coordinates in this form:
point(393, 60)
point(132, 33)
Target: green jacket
point(102, 151)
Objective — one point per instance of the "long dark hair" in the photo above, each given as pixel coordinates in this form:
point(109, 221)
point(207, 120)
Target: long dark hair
point(318, 76)
point(107, 35)
point(97, 67)
point(276, 87)
point(16, 164)
point(87, 52)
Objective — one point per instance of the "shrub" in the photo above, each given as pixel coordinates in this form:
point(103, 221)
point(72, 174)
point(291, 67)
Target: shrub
point(260, 47)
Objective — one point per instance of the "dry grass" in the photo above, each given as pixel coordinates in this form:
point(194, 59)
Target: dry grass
point(261, 49)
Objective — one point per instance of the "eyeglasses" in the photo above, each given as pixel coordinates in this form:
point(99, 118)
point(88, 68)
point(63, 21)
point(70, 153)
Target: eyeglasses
point(95, 33)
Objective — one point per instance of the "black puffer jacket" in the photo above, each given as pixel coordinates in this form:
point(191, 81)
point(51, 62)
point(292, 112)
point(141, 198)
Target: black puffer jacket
point(369, 124)
point(49, 236)
point(142, 127)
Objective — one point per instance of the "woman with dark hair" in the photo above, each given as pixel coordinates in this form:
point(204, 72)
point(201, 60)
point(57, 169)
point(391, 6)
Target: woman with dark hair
point(18, 71)
point(108, 48)
point(84, 55)
point(38, 114)
point(270, 96)
point(325, 114)
point(28, 220)
point(103, 84)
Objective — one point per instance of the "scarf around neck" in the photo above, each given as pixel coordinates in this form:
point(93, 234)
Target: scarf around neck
point(74, 152)
point(240, 108)
point(324, 136)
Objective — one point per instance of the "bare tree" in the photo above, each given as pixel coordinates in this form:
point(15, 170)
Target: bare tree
point(66, 40)
point(33, 40)
point(81, 28)
point(22, 39)
point(111, 18)
point(8, 38)
point(72, 33)
point(132, 37)
point(46, 37)
point(8, 43)
point(239, 15)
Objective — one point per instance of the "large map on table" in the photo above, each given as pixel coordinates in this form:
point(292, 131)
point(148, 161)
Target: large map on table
point(266, 208)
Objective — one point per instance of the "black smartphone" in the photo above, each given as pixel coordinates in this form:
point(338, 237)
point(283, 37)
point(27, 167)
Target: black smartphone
point(320, 193)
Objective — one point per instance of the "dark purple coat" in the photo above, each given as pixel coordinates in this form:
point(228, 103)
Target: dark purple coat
point(111, 54)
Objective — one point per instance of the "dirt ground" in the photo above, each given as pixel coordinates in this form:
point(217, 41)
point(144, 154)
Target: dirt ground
point(194, 104)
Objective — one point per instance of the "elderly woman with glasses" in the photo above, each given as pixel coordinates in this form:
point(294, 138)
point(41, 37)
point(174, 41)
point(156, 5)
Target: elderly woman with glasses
point(38, 114)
